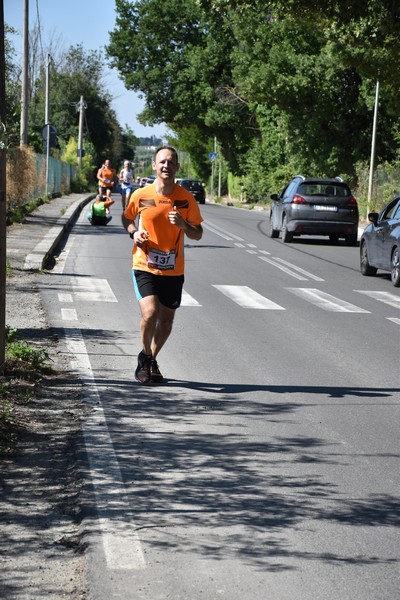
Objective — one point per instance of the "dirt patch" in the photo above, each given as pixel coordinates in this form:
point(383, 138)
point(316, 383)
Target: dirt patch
point(41, 550)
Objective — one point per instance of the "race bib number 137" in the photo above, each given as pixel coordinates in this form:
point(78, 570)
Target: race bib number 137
point(157, 259)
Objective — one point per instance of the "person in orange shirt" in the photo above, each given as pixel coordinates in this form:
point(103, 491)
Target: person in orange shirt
point(167, 212)
point(106, 176)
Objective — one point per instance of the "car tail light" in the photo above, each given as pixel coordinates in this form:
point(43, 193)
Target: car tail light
point(351, 201)
point(298, 200)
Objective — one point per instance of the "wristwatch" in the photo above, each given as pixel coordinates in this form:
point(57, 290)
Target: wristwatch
point(132, 233)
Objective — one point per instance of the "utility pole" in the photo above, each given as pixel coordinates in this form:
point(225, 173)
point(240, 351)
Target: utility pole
point(25, 65)
point(219, 174)
point(371, 166)
point(81, 107)
point(213, 157)
point(3, 206)
point(47, 121)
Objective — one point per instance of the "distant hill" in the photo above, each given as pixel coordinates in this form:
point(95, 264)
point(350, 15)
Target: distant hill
point(151, 141)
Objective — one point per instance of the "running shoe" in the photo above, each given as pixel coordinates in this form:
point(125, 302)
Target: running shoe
point(155, 372)
point(142, 373)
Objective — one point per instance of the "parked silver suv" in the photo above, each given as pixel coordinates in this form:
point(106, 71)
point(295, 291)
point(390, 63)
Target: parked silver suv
point(312, 206)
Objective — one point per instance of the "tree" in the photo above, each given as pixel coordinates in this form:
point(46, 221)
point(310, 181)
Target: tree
point(12, 90)
point(178, 58)
point(314, 68)
point(128, 144)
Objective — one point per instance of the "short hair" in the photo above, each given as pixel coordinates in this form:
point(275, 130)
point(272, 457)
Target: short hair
point(170, 148)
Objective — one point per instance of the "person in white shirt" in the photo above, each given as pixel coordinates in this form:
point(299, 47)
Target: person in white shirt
point(126, 180)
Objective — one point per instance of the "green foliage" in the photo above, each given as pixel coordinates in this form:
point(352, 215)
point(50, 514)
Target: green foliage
point(177, 56)
point(23, 352)
point(26, 353)
point(85, 177)
point(285, 87)
point(76, 73)
point(18, 213)
point(23, 368)
point(386, 186)
point(12, 91)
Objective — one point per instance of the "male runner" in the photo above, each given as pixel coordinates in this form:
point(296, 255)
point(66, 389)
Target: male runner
point(166, 213)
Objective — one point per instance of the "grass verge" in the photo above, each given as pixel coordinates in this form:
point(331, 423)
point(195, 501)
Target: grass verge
point(23, 369)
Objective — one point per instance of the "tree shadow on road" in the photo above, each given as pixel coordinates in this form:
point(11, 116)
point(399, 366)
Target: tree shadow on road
point(208, 458)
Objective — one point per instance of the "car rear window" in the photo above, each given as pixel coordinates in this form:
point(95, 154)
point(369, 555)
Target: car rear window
point(191, 185)
point(338, 190)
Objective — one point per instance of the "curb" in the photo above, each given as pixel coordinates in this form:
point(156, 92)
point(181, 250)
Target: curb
point(36, 260)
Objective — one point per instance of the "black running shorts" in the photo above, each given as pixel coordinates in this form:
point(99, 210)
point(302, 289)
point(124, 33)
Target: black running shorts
point(168, 288)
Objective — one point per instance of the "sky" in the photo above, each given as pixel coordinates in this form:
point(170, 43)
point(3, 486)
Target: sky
point(85, 22)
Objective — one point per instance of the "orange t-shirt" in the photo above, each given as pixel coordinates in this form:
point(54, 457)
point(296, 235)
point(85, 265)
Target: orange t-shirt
point(108, 175)
point(164, 251)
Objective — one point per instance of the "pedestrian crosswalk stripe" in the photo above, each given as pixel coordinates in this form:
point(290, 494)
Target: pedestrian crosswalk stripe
point(69, 314)
point(326, 301)
point(247, 298)
point(65, 297)
point(394, 320)
point(386, 297)
point(188, 300)
point(92, 289)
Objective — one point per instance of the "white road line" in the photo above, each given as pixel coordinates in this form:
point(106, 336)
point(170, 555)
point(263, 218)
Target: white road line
point(252, 251)
point(326, 301)
point(63, 297)
point(247, 298)
point(222, 232)
point(298, 269)
point(62, 258)
point(188, 300)
point(283, 268)
point(239, 245)
point(394, 320)
point(91, 289)
point(386, 297)
point(122, 546)
point(264, 252)
point(69, 314)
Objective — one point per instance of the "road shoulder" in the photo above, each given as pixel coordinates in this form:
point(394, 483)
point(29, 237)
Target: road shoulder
point(42, 554)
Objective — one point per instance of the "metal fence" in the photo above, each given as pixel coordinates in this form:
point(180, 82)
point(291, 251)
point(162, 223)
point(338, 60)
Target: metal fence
point(26, 177)
point(59, 178)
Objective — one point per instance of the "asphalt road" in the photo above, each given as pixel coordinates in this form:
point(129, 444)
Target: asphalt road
point(267, 464)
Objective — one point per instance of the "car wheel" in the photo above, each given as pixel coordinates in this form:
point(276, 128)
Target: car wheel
point(273, 233)
point(287, 236)
point(351, 240)
point(365, 267)
point(395, 267)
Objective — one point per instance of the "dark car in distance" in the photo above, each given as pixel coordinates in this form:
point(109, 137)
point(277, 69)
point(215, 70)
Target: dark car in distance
point(380, 242)
point(313, 206)
point(195, 187)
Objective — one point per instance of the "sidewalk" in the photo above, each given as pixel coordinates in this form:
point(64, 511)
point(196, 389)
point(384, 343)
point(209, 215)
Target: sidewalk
point(42, 551)
point(29, 244)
